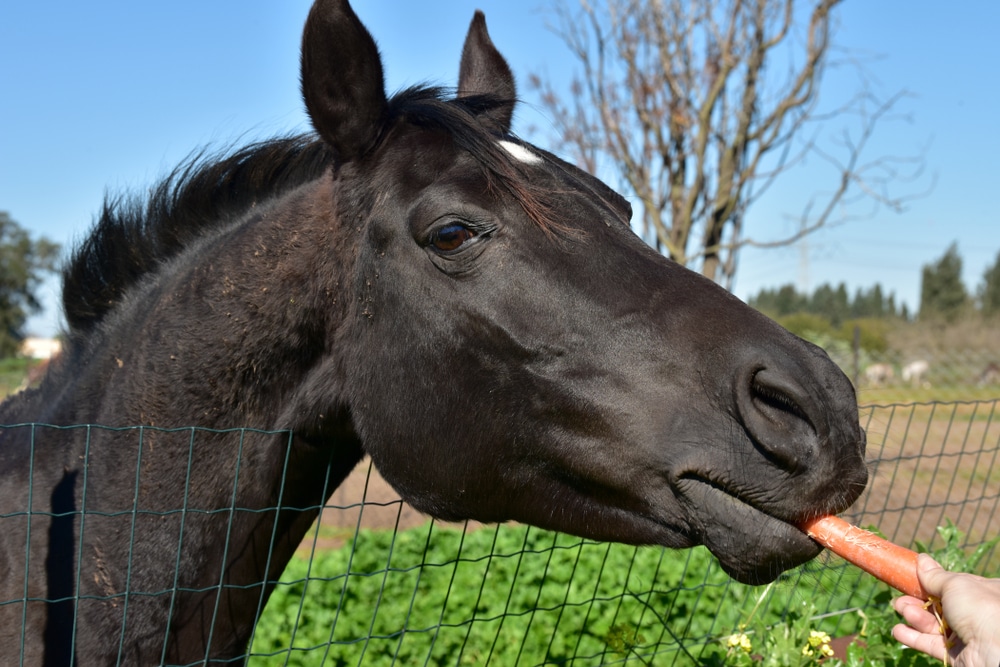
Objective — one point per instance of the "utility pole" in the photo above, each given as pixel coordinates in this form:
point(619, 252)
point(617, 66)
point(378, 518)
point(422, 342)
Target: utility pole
point(804, 261)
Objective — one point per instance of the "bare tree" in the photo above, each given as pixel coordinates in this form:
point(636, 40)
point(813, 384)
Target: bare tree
point(700, 105)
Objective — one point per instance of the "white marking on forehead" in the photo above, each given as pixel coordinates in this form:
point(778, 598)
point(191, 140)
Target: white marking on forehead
point(519, 152)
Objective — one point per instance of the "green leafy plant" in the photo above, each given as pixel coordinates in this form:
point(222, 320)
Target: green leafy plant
point(795, 642)
point(799, 641)
point(520, 595)
point(952, 556)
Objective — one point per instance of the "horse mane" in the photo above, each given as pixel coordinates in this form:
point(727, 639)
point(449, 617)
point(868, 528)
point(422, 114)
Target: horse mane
point(135, 234)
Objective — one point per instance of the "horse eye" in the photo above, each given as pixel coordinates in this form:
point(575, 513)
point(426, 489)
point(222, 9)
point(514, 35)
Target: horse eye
point(451, 238)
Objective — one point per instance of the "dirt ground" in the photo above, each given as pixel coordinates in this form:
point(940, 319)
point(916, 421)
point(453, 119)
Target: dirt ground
point(366, 495)
point(932, 463)
point(365, 500)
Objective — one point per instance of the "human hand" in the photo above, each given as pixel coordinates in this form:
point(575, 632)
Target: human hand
point(971, 606)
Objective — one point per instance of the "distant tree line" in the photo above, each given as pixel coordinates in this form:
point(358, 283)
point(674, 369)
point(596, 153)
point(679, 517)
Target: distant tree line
point(943, 297)
point(834, 304)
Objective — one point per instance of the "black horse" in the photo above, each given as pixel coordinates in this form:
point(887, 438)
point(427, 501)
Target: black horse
point(417, 285)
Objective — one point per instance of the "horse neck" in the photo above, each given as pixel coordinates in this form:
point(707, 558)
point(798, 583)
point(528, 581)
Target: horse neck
point(232, 333)
point(230, 330)
point(285, 311)
point(279, 317)
point(263, 543)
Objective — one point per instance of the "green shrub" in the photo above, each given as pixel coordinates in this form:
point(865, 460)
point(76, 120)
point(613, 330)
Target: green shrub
point(808, 325)
point(873, 333)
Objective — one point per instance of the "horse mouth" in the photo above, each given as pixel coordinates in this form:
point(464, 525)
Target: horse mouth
point(752, 544)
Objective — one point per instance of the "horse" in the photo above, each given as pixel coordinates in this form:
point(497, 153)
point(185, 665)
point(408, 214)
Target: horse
point(412, 282)
point(915, 373)
point(879, 375)
point(989, 375)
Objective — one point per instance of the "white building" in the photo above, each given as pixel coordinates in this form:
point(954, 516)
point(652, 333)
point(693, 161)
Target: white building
point(40, 348)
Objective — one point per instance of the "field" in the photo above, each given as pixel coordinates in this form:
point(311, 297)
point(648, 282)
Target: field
point(901, 394)
point(932, 462)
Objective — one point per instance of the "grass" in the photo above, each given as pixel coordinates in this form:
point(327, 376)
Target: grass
point(514, 594)
point(904, 394)
point(12, 374)
point(518, 595)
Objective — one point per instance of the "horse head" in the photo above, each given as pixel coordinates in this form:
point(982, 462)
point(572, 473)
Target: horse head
point(511, 350)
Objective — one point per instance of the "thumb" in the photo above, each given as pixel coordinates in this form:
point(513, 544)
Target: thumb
point(931, 575)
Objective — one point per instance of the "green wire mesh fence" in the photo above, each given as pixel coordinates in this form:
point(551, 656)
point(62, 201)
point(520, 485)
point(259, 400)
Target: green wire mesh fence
point(374, 583)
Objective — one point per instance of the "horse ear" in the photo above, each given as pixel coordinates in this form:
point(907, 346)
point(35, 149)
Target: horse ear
point(484, 72)
point(342, 79)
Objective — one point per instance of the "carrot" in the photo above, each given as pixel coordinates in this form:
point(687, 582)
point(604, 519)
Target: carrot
point(891, 563)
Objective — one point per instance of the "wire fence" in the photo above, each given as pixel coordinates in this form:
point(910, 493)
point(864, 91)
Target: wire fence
point(434, 594)
point(375, 583)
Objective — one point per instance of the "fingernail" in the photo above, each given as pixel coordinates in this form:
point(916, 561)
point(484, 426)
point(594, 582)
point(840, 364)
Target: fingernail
point(925, 562)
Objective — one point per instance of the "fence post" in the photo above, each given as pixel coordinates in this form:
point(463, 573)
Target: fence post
point(856, 349)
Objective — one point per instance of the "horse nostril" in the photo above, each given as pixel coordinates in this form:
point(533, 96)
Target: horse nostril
point(775, 411)
point(770, 399)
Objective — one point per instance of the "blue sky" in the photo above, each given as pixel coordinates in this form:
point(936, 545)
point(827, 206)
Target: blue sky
point(105, 96)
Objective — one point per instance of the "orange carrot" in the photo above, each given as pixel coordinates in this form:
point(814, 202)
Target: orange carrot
point(893, 564)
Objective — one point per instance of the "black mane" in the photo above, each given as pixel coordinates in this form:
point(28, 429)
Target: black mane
point(135, 234)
